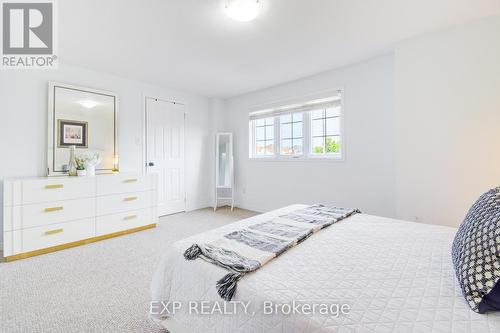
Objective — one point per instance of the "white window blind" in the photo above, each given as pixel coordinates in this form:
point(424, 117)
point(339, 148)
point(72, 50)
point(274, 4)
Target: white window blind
point(322, 103)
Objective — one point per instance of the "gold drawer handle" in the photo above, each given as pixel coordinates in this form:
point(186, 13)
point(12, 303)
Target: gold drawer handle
point(130, 217)
point(131, 180)
point(53, 209)
point(53, 186)
point(55, 231)
point(130, 199)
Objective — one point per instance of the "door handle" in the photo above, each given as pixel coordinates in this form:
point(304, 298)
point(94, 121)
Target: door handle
point(151, 164)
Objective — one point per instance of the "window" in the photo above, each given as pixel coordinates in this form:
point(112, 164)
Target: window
point(264, 137)
point(292, 142)
point(325, 131)
point(305, 131)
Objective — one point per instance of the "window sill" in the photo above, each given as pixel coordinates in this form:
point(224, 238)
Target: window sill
point(305, 159)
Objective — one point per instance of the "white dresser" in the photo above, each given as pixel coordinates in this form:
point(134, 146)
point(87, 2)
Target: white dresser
point(47, 214)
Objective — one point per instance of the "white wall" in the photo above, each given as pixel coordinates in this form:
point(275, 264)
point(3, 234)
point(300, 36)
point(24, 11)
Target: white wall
point(365, 179)
point(448, 121)
point(23, 125)
point(428, 157)
point(422, 131)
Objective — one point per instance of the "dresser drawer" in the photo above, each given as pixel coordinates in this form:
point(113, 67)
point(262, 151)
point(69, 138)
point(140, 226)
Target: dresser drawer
point(12, 217)
point(115, 184)
point(118, 203)
point(57, 189)
point(11, 243)
point(57, 234)
point(118, 222)
point(36, 215)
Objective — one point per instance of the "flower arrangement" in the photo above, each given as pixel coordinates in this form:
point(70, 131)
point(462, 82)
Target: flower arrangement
point(80, 163)
point(88, 162)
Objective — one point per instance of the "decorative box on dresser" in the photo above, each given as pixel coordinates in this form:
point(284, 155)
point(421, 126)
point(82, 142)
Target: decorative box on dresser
point(47, 214)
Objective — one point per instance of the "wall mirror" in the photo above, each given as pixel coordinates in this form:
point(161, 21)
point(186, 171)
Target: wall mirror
point(224, 174)
point(85, 118)
point(223, 156)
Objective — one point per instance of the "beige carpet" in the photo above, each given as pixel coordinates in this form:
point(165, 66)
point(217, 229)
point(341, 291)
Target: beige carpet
point(100, 287)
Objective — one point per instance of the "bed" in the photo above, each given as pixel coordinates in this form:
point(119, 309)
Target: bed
point(393, 275)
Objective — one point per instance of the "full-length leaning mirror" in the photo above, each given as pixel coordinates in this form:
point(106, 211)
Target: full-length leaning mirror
point(83, 120)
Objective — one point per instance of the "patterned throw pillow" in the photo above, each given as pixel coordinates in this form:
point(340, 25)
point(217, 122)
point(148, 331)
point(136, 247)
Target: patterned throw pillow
point(476, 253)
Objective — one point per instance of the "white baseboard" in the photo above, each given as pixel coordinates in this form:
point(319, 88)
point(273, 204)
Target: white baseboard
point(199, 206)
point(236, 205)
point(249, 207)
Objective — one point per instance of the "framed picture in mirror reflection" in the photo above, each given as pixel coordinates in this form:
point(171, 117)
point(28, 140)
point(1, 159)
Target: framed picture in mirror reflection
point(72, 133)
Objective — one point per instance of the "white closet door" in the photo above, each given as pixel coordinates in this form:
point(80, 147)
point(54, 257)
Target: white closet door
point(165, 153)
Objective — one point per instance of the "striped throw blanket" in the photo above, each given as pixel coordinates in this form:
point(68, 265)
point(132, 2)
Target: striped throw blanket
point(248, 248)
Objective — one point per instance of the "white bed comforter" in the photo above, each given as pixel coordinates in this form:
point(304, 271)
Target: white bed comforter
point(396, 276)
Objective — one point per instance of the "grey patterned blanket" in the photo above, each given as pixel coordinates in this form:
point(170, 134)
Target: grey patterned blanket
point(246, 249)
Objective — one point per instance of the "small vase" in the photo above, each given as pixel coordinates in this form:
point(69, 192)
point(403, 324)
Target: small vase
point(72, 162)
point(81, 172)
point(90, 170)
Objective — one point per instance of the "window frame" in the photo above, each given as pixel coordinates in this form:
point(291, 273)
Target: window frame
point(292, 138)
point(253, 143)
point(307, 140)
point(340, 135)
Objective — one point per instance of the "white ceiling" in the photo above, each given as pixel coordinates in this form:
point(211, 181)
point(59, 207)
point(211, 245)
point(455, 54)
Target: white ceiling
point(192, 45)
point(68, 103)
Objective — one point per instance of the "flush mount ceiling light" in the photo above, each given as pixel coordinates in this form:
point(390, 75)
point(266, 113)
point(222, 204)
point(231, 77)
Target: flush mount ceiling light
point(242, 10)
point(88, 104)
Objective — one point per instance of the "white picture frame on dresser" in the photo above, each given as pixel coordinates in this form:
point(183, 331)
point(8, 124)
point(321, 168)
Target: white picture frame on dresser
point(47, 214)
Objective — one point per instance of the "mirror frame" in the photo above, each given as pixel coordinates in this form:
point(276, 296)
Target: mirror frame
point(51, 127)
point(230, 162)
